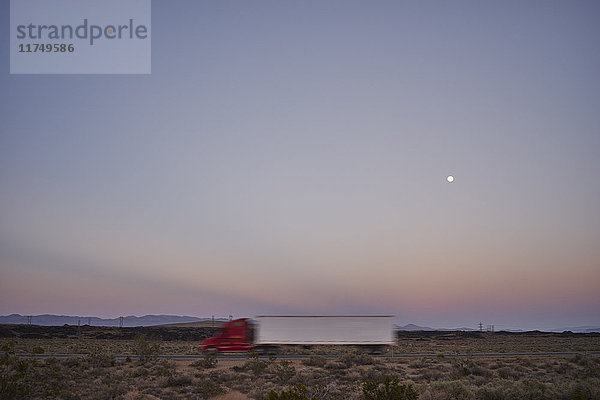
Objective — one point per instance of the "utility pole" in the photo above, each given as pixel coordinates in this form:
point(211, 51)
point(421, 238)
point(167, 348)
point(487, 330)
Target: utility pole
point(481, 327)
point(29, 319)
point(89, 321)
point(120, 322)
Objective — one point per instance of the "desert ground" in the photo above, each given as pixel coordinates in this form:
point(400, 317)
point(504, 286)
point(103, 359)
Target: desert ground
point(325, 373)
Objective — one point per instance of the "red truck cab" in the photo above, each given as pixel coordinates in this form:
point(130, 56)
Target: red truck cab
point(232, 336)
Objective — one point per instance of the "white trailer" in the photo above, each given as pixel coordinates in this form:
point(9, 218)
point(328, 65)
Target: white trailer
point(372, 330)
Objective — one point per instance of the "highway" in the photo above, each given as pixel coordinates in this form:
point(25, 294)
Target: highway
point(244, 356)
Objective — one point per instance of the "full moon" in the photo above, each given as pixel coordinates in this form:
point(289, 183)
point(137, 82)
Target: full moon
point(450, 179)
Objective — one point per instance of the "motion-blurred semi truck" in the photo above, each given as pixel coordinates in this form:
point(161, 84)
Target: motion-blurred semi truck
point(372, 332)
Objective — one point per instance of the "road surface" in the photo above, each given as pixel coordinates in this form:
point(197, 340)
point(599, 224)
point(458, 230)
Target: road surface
point(244, 356)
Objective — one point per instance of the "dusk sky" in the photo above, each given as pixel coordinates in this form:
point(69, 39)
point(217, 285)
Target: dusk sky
point(291, 158)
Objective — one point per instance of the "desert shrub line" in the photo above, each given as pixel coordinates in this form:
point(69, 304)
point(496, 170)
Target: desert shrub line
point(388, 388)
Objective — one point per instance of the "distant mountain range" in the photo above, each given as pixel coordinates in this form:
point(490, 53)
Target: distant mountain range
point(129, 321)
point(574, 329)
point(579, 329)
point(150, 320)
point(413, 327)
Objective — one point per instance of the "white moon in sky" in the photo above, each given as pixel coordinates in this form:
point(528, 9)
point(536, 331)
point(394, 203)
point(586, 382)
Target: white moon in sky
point(450, 179)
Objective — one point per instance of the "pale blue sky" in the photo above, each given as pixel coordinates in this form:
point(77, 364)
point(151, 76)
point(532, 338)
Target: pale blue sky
point(291, 157)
